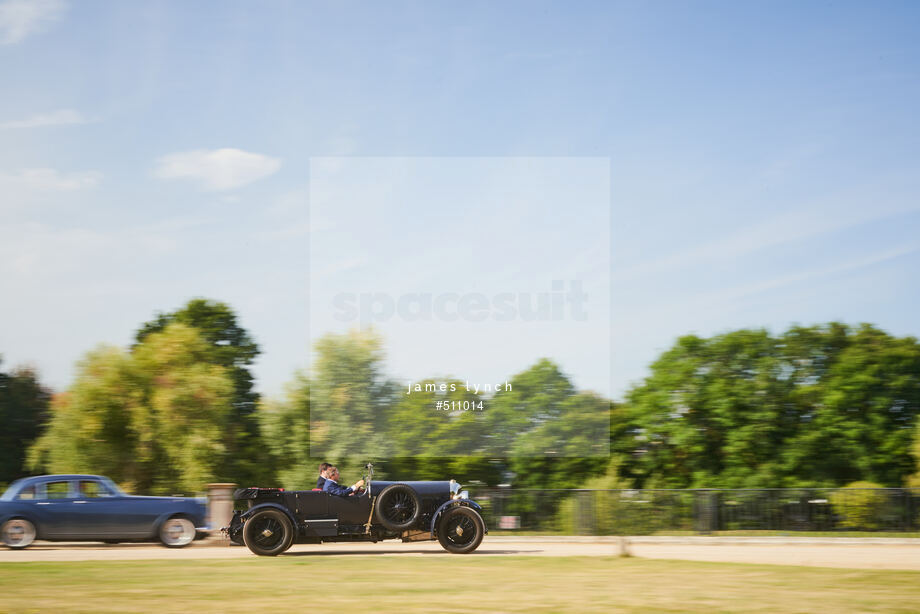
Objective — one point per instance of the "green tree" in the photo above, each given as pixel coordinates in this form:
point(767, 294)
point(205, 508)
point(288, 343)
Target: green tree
point(350, 398)
point(435, 444)
point(155, 419)
point(24, 407)
point(350, 413)
point(861, 505)
point(91, 428)
point(549, 435)
point(286, 425)
point(913, 481)
point(232, 347)
point(419, 429)
point(711, 411)
point(816, 406)
point(860, 426)
point(537, 396)
point(567, 451)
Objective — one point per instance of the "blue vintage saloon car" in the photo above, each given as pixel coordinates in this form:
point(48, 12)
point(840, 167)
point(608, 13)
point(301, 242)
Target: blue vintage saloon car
point(93, 508)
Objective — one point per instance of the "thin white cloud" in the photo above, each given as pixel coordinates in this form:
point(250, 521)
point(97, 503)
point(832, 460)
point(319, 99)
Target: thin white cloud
point(217, 169)
point(772, 232)
point(50, 179)
point(807, 275)
point(341, 266)
point(690, 309)
point(21, 18)
point(61, 117)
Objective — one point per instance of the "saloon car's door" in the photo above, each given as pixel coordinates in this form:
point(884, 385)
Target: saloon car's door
point(55, 507)
point(95, 510)
point(134, 516)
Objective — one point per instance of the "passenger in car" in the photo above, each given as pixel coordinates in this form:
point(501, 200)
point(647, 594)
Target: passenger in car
point(332, 485)
point(323, 468)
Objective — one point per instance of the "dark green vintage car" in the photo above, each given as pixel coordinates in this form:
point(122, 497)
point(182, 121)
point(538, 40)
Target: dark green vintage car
point(410, 511)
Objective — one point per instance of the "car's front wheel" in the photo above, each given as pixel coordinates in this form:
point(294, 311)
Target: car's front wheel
point(17, 533)
point(177, 532)
point(460, 530)
point(268, 533)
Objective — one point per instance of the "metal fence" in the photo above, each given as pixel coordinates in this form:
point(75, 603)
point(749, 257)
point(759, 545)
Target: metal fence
point(646, 512)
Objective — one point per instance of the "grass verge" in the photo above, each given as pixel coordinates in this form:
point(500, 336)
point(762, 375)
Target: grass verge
point(449, 584)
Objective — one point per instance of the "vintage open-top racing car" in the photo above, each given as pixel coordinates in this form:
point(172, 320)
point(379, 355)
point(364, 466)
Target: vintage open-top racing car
point(411, 511)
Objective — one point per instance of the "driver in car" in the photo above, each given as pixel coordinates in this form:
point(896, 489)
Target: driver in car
point(332, 485)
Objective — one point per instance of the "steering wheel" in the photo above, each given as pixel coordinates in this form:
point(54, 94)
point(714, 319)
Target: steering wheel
point(367, 477)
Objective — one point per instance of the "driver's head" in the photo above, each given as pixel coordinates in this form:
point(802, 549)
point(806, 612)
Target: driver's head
point(332, 473)
point(324, 468)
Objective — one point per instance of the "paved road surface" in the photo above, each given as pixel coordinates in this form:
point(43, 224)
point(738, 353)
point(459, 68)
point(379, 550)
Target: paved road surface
point(846, 553)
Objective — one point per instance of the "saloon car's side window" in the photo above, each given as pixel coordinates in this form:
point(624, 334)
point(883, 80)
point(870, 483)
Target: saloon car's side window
point(57, 490)
point(92, 489)
point(27, 493)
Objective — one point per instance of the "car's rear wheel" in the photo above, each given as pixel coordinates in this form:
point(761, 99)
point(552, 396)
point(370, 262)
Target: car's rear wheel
point(268, 533)
point(177, 532)
point(17, 533)
point(397, 506)
point(460, 530)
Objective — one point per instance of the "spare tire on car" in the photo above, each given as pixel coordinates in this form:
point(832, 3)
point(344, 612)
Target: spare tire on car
point(397, 507)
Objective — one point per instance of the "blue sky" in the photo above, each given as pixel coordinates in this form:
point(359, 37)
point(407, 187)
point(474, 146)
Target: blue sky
point(763, 157)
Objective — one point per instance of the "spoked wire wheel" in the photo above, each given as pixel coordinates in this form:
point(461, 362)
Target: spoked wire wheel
point(398, 507)
point(268, 533)
point(460, 530)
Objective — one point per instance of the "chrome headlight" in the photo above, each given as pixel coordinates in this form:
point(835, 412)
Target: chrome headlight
point(454, 489)
point(463, 495)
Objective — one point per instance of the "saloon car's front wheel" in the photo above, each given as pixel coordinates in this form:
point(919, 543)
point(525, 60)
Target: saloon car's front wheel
point(268, 533)
point(460, 530)
point(17, 533)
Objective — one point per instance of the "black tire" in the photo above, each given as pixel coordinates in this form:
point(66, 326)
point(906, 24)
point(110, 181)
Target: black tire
point(460, 530)
point(397, 507)
point(268, 533)
point(18, 533)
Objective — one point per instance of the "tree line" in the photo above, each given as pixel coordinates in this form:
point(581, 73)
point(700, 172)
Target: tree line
point(824, 405)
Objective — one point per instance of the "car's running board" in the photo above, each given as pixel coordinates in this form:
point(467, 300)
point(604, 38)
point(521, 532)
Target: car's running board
point(320, 528)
